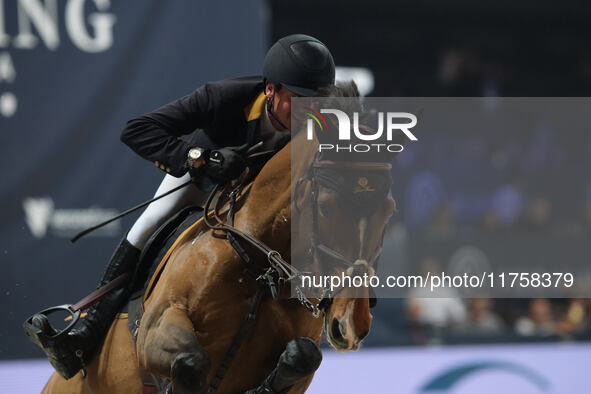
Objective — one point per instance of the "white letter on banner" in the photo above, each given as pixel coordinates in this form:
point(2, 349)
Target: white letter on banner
point(8, 104)
point(7, 72)
point(44, 17)
point(101, 22)
point(4, 38)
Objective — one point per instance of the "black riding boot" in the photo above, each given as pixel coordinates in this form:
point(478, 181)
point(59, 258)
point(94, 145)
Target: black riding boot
point(69, 352)
point(301, 358)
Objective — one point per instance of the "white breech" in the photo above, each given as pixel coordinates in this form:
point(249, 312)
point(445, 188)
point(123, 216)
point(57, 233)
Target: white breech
point(159, 211)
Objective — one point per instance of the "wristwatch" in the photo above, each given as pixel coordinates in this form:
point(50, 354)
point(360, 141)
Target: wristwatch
point(193, 156)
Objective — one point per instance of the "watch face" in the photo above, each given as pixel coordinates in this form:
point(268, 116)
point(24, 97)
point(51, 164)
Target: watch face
point(194, 154)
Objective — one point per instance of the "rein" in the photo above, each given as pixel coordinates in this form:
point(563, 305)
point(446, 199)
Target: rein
point(279, 271)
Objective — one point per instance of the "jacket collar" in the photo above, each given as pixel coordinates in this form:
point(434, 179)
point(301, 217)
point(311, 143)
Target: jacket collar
point(256, 108)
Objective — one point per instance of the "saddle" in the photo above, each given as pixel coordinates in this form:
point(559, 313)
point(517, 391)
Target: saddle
point(159, 245)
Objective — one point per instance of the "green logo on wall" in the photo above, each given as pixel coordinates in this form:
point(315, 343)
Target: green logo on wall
point(449, 378)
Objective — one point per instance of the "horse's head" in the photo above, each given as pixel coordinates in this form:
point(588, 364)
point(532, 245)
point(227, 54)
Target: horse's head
point(341, 209)
point(343, 221)
point(354, 206)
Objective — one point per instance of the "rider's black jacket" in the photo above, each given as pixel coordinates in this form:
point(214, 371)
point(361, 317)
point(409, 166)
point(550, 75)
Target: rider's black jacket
point(218, 114)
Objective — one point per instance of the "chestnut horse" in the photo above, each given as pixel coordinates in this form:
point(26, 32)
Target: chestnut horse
point(204, 293)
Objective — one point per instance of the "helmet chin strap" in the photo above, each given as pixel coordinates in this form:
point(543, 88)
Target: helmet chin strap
point(272, 113)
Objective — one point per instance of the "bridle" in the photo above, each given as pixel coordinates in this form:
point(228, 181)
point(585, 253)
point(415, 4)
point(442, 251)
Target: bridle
point(353, 267)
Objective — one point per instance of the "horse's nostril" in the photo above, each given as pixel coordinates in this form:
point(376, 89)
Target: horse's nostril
point(362, 336)
point(335, 329)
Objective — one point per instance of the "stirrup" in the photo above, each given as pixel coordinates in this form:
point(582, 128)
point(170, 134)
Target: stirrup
point(39, 337)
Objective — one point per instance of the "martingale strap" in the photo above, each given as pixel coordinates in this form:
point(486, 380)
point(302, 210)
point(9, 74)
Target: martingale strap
point(278, 267)
point(278, 272)
point(247, 323)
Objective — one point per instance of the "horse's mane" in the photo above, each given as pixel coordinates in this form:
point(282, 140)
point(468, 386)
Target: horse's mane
point(340, 95)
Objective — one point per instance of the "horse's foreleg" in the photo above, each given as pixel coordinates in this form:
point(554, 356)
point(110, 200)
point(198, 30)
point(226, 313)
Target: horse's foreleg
point(300, 359)
point(168, 347)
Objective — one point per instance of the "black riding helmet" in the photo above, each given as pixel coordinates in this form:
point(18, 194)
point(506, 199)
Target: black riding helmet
point(301, 63)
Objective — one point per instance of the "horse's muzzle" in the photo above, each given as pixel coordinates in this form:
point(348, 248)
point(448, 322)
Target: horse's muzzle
point(338, 338)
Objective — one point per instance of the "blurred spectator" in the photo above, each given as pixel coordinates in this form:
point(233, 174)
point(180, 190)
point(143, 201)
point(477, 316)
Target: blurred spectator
point(505, 207)
point(419, 331)
point(539, 320)
point(537, 216)
point(481, 319)
point(574, 319)
point(587, 217)
point(440, 309)
point(424, 193)
point(460, 72)
point(442, 224)
point(539, 211)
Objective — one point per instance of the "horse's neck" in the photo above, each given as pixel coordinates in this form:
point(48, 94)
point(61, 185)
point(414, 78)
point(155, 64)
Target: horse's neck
point(305, 151)
point(269, 197)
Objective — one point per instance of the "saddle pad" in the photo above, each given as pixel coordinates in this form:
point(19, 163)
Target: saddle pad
point(190, 227)
point(159, 246)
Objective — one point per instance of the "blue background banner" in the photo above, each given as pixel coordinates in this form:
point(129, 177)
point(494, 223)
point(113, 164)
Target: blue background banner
point(71, 74)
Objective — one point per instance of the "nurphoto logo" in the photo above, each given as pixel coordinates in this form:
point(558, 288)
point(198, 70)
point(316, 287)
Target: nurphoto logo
point(393, 125)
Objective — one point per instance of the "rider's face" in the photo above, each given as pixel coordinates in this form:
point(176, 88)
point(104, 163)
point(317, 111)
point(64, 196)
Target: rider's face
point(281, 105)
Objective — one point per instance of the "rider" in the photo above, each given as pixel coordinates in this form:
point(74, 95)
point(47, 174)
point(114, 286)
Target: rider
point(217, 117)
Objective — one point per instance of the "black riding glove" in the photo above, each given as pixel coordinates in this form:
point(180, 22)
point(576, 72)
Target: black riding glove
point(225, 164)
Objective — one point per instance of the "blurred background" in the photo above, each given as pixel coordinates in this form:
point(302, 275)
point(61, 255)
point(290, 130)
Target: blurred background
point(72, 72)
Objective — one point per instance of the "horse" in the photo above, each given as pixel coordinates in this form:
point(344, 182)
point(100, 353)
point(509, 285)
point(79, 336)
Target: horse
point(193, 312)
